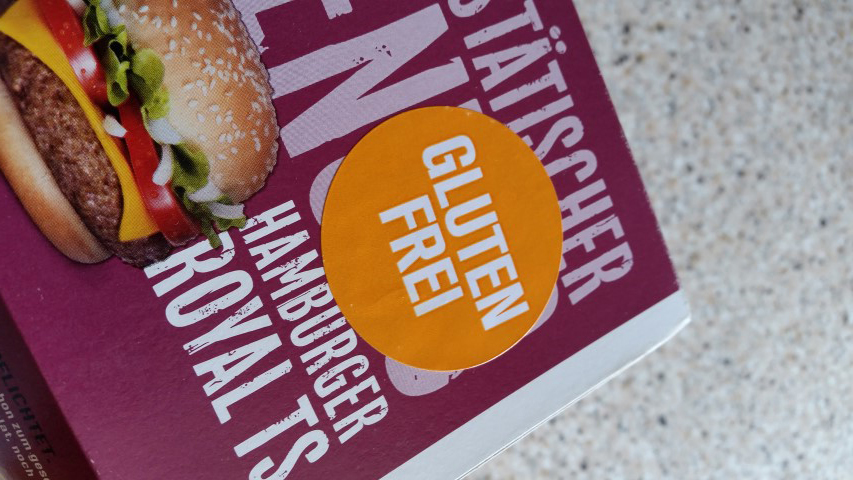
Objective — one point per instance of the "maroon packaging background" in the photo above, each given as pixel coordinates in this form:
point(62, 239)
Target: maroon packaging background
point(24, 388)
point(127, 388)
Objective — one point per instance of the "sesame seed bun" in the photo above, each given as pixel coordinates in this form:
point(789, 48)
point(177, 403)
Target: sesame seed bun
point(219, 90)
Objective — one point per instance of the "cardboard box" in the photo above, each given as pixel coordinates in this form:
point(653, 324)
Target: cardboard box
point(99, 380)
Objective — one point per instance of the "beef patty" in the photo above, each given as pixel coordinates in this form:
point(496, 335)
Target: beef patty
point(72, 151)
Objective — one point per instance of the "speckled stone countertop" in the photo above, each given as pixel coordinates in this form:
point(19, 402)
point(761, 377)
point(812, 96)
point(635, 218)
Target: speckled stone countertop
point(740, 116)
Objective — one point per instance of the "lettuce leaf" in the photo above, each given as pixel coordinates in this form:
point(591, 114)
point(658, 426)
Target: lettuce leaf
point(126, 68)
point(157, 105)
point(190, 169)
point(208, 221)
point(116, 71)
point(148, 71)
point(116, 65)
point(118, 42)
point(190, 172)
point(95, 24)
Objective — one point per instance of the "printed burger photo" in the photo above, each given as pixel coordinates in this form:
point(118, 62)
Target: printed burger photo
point(129, 127)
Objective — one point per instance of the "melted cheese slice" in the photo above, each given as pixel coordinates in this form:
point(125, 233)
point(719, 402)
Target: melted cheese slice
point(23, 23)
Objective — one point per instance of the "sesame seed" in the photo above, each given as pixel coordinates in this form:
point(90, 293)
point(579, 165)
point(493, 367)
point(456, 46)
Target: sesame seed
point(213, 108)
point(173, 22)
point(200, 117)
point(193, 103)
point(143, 9)
point(173, 45)
point(174, 3)
point(197, 16)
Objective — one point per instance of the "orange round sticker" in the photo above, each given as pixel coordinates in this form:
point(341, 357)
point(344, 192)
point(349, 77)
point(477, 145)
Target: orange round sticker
point(441, 238)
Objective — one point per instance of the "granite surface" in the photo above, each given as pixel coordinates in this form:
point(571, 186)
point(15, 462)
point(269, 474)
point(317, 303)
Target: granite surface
point(740, 115)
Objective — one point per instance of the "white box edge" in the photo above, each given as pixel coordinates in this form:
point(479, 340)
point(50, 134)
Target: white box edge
point(474, 443)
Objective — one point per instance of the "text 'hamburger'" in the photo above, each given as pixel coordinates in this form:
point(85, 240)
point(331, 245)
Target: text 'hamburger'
point(238, 341)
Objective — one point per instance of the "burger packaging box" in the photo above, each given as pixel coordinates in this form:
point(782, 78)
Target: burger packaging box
point(363, 321)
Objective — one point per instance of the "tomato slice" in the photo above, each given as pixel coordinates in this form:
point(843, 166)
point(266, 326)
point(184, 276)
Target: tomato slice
point(67, 28)
point(159, 200)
